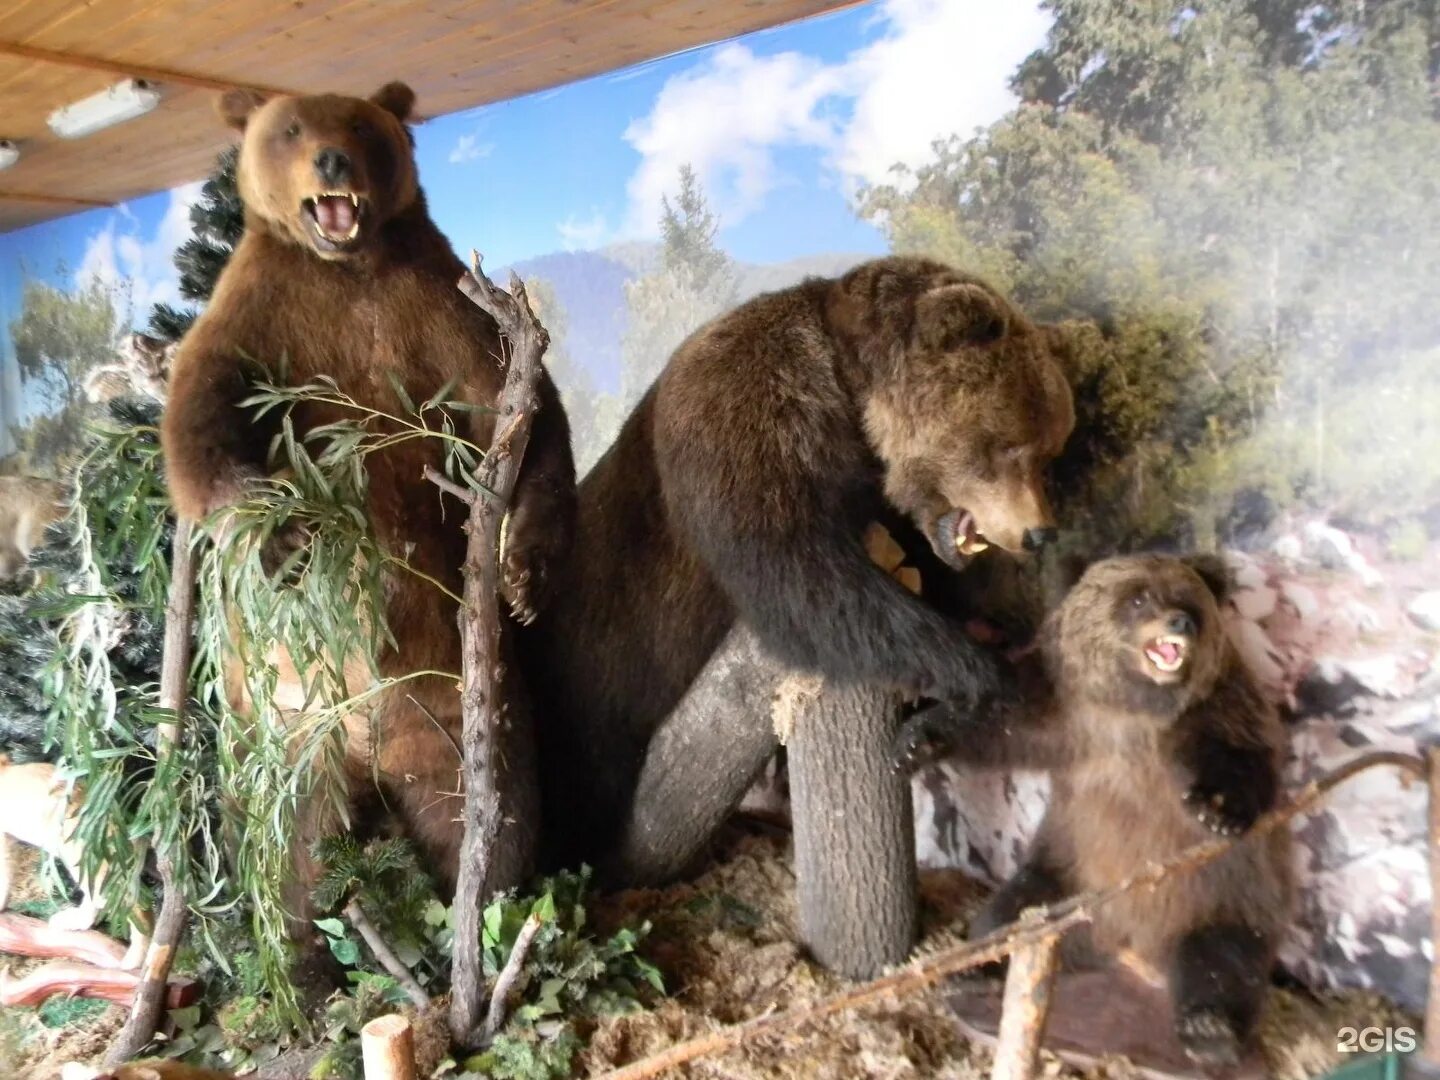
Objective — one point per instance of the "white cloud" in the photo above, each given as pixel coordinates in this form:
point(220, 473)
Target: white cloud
point(938, 68)
point(724, 118)
point(583, 234)
point(121, 258)
point(470, 148)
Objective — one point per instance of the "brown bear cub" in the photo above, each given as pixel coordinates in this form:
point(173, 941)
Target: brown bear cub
point(741, 488)
point(1154, 735)
point(341, 273)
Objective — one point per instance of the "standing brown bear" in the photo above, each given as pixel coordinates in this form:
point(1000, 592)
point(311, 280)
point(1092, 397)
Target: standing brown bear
point(741, 488)
point(341, 273)
point(1154, 734)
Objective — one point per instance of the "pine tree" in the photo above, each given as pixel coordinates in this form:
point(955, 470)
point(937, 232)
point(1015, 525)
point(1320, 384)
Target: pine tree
point(217, 221)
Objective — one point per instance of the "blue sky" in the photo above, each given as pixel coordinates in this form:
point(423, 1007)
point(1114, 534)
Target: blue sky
point(782, 127)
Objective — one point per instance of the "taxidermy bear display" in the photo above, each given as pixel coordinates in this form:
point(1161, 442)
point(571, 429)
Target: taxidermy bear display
point(742, 486)
point(341, 273)
point(1155, 735)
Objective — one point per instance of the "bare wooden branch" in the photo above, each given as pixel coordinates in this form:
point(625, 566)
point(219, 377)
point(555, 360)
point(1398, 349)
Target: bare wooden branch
point(445, 484)
point(144, 1016)
point(1055, 922)
point(1430, 1050)
point(387, 1048)
point(25, 936)
point(523, 343)
point(87, 980)
point(1025, 1009)
point(499, 997)
point(386, 955)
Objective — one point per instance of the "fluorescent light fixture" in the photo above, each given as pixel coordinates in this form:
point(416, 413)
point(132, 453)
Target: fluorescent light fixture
point(123, 101)
point(9, 153)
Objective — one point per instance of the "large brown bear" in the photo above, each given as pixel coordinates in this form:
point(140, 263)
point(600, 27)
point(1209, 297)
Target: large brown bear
point(741, 488)
point(342, 273)
point(1154, 734)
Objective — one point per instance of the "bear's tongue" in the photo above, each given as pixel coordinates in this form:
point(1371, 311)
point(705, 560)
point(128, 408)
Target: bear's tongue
point(335, 214)
point(1167, 651)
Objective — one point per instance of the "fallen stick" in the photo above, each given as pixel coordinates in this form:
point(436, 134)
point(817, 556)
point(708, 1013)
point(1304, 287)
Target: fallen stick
point(87, 980)
point(1025, 1009)
point(24, 936)
point(386, 955)
point(1050, 922)
point(499, 1003)
point(387, 1048)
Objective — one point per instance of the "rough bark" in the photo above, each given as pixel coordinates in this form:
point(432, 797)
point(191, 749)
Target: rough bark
point(174, 904)
point(700, 763)
point(854, 833)
point(1026, 1007)
point(501, 792)
point(509, 976)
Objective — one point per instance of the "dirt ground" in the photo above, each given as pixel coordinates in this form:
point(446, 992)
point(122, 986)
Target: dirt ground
point(727, 945)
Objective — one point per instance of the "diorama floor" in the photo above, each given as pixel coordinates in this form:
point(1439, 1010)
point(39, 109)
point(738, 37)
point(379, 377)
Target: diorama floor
point(727, 944)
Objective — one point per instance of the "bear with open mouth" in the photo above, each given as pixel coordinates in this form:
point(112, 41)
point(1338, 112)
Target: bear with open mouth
point(1155, 736)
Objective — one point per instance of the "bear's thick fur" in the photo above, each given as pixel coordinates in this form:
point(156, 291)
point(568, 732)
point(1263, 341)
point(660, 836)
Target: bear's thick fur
point(741, 487)
point(1154, 734)
point(342, 273)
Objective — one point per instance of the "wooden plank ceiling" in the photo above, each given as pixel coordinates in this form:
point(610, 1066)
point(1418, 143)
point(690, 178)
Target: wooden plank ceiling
point(456, 54)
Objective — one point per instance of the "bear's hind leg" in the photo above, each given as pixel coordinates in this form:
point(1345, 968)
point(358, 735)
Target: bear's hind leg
point(1218, 984)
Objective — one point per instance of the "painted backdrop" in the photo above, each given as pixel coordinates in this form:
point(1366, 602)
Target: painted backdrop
point(1234, 205)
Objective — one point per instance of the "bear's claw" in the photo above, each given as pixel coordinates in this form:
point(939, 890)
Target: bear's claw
point(1209, 1038)
point(919, 741)
point(1221, 815)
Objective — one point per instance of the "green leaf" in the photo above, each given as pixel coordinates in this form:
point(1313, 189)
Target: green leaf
point(345, 950)
point(334, 927)
point(185, 1019)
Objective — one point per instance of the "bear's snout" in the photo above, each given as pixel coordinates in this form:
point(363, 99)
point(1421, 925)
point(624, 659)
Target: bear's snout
point(333, 166)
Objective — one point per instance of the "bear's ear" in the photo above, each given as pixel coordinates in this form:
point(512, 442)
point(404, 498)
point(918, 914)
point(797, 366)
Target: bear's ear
point(395, 98)
point(1212, 570)
point(954, 316)
point(235, 106)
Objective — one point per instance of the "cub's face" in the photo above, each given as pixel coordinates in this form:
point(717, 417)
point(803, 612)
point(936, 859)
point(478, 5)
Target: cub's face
point(967, 419)
point(326, 171)
point(1143, 631)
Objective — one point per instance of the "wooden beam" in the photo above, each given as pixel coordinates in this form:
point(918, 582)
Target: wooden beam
point(126, 69)
point(53, 200)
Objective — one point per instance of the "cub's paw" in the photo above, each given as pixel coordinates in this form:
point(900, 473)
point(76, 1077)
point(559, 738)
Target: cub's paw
point(923, 739)
point(1225, 813)
point(1209, 1038)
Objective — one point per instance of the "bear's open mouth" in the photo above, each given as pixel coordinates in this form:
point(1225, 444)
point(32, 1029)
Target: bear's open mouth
point(959, 531)
point(1166, 653)
point(335, 215)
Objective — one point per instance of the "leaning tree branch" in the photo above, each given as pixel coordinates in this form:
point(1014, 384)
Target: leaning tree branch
point(1047, 924)
point(144, 1016)
point(74, 979)
point(25, 936)
point(499, 997)
point(523, 343)
point(386, 955)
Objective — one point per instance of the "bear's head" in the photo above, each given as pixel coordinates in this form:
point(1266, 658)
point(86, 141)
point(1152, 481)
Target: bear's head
point(327, 171)
point(1142, 633)
point(963, 401)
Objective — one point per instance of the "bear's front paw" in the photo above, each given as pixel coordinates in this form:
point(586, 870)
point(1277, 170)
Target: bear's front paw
point(922, 740)
point(1209, 1038)
point(528, 561)
point(1227, 812)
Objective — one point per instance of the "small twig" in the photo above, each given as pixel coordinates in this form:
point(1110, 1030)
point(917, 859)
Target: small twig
point(1054, 922)
point(144, 1016)
point(445, 484)
point(386, 955)
point(1025, 1009)
point(499, 997)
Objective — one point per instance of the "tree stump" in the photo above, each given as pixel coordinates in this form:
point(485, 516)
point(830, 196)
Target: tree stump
point(854, 833)
point(700, 763)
